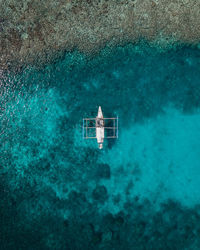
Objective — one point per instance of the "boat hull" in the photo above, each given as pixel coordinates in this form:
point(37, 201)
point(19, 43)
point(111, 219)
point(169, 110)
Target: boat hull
point(100, 128)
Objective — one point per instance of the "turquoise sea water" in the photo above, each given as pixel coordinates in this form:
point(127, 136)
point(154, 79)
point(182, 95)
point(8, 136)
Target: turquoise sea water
point(58, 191)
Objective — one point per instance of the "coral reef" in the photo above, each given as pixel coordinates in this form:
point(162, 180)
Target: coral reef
point(39, 31)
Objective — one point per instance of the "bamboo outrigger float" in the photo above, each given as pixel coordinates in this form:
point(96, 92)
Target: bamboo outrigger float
point(100, 129)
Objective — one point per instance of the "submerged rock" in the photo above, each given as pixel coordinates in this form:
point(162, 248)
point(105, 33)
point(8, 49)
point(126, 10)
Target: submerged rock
point(100, 194)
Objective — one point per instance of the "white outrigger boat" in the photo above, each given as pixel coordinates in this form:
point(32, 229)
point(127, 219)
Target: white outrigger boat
point(100, 128)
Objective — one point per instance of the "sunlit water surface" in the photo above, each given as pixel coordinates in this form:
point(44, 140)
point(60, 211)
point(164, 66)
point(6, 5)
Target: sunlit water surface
point(141, 191)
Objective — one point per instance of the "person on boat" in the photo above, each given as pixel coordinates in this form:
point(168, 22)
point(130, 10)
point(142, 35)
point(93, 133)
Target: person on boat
point(100, 123)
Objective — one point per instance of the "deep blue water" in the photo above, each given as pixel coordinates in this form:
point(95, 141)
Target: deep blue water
point(58, 191)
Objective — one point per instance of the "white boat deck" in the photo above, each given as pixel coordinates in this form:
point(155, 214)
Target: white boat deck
point(100, 128)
